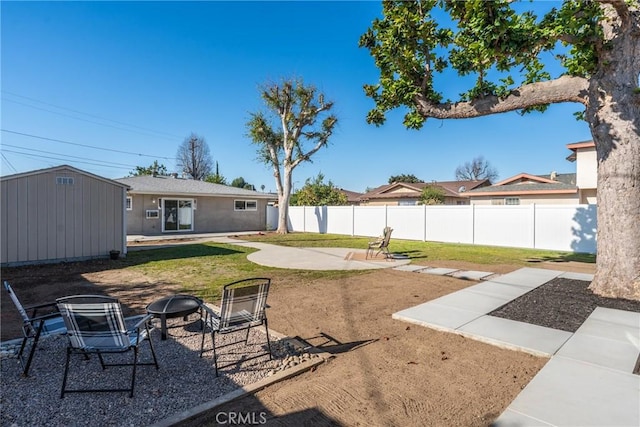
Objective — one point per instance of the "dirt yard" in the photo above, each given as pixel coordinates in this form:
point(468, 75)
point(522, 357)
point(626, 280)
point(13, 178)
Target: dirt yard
point(385, 372)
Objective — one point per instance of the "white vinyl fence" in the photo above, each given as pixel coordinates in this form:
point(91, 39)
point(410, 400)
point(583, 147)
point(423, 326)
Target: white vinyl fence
point(556, 227)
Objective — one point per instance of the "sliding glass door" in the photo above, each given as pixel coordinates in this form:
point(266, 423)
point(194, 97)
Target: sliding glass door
point(177, 215)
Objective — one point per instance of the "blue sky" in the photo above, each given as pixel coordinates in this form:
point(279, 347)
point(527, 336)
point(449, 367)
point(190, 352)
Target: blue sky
point(139, 77)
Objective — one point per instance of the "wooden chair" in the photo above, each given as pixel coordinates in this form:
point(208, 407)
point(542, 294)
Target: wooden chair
point(381, 244)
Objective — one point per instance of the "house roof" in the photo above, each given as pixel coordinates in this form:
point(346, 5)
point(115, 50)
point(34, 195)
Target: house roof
point(523, 183)
point(168, 185)
point(63, 168)
point(352, 196)
point(576, 146)
point(413, 190)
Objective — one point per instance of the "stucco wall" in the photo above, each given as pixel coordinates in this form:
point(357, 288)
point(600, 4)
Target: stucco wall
point(586, 168)
point(551, 199)
point(212, 215)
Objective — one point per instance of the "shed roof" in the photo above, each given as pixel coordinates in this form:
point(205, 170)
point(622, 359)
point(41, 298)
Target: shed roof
point(62, 168)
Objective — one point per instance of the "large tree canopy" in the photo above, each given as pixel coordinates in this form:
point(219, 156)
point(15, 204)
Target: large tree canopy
point(476, 169)
point(506, 52)
point(316, 192)
point(295, 126)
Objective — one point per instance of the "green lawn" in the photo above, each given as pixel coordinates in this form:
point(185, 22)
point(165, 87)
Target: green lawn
point(418, 251)
point(203, 268)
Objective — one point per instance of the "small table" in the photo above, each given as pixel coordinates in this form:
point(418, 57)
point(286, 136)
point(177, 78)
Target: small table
point(173, 306)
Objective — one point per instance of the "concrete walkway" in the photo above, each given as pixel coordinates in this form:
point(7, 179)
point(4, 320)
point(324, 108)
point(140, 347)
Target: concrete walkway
point(587, 382)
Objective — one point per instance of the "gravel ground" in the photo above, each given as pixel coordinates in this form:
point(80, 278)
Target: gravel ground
point(183, 381)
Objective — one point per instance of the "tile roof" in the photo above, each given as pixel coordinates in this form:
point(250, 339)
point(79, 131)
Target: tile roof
point(352, 196)
point(564, 183)
point(148, 184)
point(451, 189)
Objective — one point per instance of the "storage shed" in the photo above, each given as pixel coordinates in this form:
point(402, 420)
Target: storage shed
point(60, 214)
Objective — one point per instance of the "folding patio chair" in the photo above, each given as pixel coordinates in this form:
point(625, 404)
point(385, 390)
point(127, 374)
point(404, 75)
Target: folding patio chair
point(95, 324)
point(35, 326)
point(242, 307)
point(381, 244)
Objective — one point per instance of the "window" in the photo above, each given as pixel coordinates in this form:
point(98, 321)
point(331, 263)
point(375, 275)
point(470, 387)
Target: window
point(245, 205)
point(512, 201)
point(407, 202)
point(129, 203)
point(152, 214)
point(64, 180)
point(497, 201)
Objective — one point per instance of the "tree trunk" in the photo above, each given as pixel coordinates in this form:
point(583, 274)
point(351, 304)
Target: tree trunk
point(283, 202)
point(614, 117)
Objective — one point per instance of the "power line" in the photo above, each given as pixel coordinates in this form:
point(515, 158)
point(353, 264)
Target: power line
point(167, 135)
point(8, 162)
point(86, 145)
point(62, 159)
point(65, 155)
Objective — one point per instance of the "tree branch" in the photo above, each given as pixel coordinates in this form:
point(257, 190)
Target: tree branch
point(563, 89)
point(621, 8)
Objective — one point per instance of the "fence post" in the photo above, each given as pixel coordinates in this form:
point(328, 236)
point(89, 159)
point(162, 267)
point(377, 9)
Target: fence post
point(353, 220)
point(473, 224)
point(533, 225)
point(424, 223)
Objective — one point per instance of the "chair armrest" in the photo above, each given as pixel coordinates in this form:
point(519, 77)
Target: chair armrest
point(44, 317)
point(211, 311)
point(143, 319)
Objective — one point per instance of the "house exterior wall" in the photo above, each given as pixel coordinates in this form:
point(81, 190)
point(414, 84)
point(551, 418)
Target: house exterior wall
point(44, 221)
point(588, 197)
point(211, 215)
point(551, 199)
point(586, 168)
point(396, 202)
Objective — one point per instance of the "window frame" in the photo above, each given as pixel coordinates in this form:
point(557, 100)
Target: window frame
point(245, 203)
point(129, 203)
point(152, 211)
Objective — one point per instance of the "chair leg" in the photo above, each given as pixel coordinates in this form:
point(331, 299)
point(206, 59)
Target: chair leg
point(104, 366)
point(153, 352)
point(34, 344)
point(204, 332)
point(66, 371)
point(246, 339)
point(266, 329)
point(215, 355)
point(133, 374)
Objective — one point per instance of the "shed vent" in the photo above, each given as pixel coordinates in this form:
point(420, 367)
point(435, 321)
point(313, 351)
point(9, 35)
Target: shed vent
point(64, 180)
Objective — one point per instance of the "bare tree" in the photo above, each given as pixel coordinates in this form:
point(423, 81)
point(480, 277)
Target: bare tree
point(290, 134)
point(194, 158)
point(475, 170)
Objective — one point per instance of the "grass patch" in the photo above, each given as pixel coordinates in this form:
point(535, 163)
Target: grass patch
point(203, 269)
point(423, 252)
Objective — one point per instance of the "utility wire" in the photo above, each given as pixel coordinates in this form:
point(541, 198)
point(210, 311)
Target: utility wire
point(65, 155)
point(86, 145)
point(83, 113)
point(62, 159)
point(8, 162)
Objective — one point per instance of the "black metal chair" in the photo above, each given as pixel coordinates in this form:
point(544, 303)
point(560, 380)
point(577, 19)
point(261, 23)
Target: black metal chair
point(35, 326)
point(95, 324)
point(243, 306)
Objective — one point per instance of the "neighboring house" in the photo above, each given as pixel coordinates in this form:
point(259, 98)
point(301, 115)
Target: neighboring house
point(408, 194)
point(60, 214)
point(168, 204)
point(555, 188)
point(353, 198)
